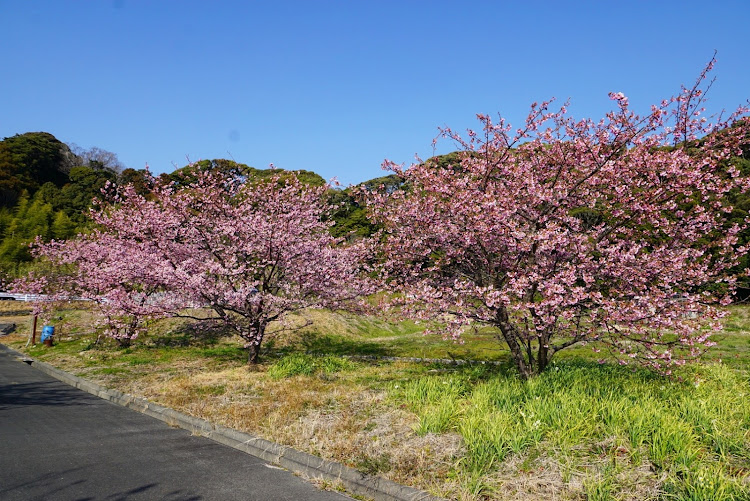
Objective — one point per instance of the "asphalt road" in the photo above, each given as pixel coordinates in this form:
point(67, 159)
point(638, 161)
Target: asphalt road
point(60, 443)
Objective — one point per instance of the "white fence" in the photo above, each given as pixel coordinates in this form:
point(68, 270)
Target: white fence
point(9, 296)
point(20, 297)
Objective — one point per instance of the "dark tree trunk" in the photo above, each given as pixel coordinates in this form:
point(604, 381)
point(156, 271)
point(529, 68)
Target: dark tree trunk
point(259, 330)
point(545, 355)
point(513, 338)
point(124, 342)
point(528, 360)
point(252, 354)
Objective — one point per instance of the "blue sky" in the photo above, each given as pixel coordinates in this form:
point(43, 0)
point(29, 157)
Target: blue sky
point(338, 86)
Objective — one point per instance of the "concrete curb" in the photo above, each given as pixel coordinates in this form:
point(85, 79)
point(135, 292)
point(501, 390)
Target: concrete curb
point(356, 482)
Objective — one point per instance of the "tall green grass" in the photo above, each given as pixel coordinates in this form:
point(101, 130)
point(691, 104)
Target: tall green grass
point(695, 433)
point(300, 364)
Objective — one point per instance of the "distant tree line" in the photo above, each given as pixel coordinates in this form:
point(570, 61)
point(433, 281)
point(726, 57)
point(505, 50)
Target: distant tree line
point(46, 189)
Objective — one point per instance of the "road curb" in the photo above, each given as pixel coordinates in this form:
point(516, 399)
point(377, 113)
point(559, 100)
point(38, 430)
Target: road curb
point(356, 482)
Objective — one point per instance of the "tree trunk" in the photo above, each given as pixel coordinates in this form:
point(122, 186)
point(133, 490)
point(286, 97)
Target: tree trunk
point(253, 350)
point(513, 338)
point(252, 354)
point(544, 356)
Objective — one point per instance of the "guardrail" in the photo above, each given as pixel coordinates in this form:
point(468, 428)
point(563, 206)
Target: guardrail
point(8, 296)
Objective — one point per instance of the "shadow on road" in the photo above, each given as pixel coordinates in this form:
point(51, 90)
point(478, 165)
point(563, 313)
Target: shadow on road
point(42, 393)
point(49, 486)
point(46, 485)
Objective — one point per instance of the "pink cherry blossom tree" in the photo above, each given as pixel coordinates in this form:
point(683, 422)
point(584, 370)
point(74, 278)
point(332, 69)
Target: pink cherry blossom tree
point(114, 278)
point(563, 231)
point(251, 252)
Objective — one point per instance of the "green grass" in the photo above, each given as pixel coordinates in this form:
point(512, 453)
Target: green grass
point(299, 364)
point(696, 433)
point(733, 348)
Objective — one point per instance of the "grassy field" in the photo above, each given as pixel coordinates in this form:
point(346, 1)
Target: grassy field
point(580, 431)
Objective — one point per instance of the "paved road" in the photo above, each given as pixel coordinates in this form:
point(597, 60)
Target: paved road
point(59, 443)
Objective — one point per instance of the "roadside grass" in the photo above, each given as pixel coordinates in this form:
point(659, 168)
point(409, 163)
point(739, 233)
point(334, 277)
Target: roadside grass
point(625, 434)
point(581, 430)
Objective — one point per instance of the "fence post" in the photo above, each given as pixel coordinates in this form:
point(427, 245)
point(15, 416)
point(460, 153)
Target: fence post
point(33, 332)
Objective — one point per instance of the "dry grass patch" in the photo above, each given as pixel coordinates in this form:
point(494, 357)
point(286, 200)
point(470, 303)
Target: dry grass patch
point(537, 475)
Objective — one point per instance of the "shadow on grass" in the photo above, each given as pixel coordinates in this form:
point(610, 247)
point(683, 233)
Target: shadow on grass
point(202, 334)
point(332, 345)
point(561, 371)
point(224, 353)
